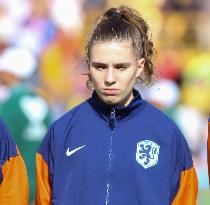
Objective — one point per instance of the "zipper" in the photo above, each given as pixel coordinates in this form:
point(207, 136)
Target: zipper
point(112, 119)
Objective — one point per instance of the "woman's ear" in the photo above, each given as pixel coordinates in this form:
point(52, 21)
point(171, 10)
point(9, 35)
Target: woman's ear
point(140, 66)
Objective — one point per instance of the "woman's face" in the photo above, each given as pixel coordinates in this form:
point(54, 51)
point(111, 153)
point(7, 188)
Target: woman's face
point(114, 71)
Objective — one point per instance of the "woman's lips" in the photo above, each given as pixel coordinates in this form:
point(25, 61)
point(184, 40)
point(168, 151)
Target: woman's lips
point(110, 91)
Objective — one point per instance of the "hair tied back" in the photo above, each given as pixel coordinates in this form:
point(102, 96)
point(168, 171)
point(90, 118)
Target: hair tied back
point(113, 12)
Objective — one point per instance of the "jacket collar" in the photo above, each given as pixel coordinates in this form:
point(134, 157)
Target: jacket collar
point(120, 111)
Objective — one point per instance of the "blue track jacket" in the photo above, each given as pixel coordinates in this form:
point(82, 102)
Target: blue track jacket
point(101, 155)
point(13, 175)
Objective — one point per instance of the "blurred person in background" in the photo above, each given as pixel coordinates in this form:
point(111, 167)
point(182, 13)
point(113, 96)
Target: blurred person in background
point(194, 108)
point(59, 62)
point(116, 148)
point(13, 174)
point(26, 113)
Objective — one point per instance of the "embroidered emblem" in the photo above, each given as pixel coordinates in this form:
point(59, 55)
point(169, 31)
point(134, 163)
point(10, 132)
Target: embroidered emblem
point(147, 153)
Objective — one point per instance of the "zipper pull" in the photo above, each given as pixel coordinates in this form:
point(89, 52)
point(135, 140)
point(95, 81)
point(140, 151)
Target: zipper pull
point(112, 119)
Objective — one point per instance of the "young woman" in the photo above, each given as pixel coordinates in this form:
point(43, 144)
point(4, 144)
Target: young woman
point(13, 175)
point(116, 148)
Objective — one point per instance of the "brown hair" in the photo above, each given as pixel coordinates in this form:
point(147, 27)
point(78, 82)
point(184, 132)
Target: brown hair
point(122, 24)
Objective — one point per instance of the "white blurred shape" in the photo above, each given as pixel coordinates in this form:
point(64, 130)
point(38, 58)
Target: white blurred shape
point(17, 10)
point(8, 30)
point(165, 92)
point(18, 61)
point(193, 125)
point(29, 40)
point(67, 14)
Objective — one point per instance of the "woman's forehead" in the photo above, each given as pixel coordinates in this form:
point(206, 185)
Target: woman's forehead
point(112, 51)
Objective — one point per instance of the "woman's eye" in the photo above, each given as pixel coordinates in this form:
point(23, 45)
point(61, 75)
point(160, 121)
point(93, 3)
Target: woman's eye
point(122, 68)
point(100, 68)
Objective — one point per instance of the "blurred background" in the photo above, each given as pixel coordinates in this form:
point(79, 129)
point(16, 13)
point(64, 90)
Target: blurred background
point(42, 68)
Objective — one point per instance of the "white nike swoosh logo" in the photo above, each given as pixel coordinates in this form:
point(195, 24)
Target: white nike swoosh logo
point(69, 153)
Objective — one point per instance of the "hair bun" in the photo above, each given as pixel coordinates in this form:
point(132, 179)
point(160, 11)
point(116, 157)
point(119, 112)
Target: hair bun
point(113, 12)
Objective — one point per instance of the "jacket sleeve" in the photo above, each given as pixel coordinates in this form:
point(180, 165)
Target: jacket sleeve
point(44, 170)
point(188, 183)
point(208, 149)
point(13, 175)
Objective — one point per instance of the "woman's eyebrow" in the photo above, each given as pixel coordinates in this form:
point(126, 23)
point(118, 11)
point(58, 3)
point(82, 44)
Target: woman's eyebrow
point(97, 64)
point(118, 65)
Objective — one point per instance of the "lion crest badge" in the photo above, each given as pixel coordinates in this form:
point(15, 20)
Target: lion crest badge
point(147, 153)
